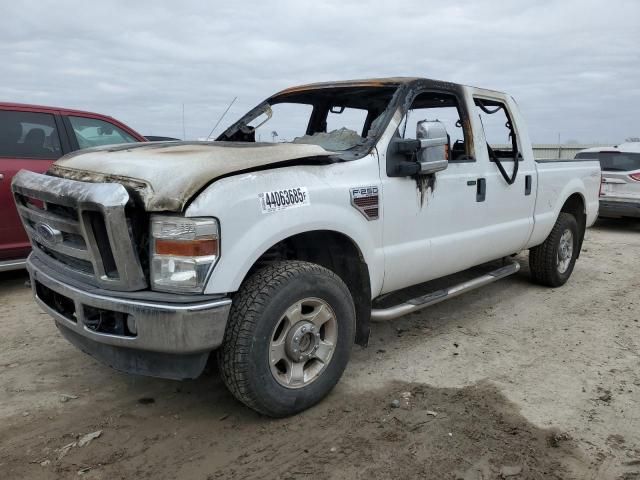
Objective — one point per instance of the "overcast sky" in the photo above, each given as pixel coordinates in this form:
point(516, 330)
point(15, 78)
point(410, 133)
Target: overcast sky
point(573, 65)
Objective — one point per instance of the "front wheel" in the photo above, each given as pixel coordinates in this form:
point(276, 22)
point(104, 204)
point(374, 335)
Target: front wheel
point(552, 262)
point(288, 338)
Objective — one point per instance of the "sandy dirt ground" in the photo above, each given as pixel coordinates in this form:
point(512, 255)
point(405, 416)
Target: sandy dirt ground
point(509, 381)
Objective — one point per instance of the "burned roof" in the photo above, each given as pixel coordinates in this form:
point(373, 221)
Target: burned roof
point(366, 82)
point(372, 82)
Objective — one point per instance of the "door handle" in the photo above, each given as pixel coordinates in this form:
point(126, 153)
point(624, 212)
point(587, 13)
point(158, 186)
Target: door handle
point(1, 176)
point(528, 181)
point(481, 190)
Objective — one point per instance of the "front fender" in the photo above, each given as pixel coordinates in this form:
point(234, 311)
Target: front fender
point(246, 232)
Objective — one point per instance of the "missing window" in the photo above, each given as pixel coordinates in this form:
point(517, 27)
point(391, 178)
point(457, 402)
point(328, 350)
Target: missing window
point(500, 136)
point(444, 108)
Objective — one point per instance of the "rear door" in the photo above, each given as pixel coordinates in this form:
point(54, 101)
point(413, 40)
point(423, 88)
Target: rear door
point(503, 148)
point(29, 140)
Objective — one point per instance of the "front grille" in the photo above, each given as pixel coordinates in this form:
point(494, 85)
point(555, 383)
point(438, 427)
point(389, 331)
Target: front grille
point(81, 228)
point(74, 263)
point(101, 237)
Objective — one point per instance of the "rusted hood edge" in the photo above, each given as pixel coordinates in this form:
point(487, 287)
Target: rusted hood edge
point(168, 182)
point(141, 189)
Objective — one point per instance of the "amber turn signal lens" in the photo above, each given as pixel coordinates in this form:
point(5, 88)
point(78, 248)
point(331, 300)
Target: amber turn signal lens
point(187, 248)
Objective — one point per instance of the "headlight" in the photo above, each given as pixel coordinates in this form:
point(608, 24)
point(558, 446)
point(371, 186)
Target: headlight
point(183, 252)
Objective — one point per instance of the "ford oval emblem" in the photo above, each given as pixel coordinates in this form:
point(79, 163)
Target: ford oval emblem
point(48, 233)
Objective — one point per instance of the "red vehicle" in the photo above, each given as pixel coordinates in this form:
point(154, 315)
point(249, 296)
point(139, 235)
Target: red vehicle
point(32, 137)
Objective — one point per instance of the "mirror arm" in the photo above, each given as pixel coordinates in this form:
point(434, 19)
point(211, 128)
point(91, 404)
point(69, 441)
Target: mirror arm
point(432, 167)
point(408, 169)
point(408, 147)
point(433, 142)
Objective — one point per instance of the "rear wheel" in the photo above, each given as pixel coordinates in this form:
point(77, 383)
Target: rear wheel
point(288, 338)
point(552, 262)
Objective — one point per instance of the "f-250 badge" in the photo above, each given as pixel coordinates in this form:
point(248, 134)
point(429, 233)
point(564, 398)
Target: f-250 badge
point(367, 201)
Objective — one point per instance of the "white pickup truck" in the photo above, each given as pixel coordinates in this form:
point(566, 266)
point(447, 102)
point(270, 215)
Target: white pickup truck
point(277, 254)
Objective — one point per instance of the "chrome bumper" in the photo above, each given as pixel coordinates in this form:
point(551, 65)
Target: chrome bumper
point(166, 331)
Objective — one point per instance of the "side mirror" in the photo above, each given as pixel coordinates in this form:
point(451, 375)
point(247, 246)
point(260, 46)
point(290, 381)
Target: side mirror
point(434, 142)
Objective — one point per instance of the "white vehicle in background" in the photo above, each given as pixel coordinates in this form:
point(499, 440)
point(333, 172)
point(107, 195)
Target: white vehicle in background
point(620, 191)
point(278, 255)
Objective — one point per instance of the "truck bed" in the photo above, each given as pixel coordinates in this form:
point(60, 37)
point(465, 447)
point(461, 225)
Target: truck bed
point(556, 160)
point(558, 179)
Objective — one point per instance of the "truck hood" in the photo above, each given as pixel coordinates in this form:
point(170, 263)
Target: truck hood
point(166, 175)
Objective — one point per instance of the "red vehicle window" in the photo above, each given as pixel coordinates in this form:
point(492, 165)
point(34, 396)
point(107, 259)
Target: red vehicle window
point(28, 135)
point(91, 132)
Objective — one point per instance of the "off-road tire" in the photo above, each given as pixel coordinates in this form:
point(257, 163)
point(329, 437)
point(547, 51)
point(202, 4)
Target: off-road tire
point(243, 358)
point(543, 258)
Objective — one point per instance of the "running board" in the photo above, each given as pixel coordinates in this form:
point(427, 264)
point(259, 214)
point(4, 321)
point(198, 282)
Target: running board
point(415, 304)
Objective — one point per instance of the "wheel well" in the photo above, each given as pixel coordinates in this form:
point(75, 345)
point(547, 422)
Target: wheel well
point(336, 252)
point(575, 206)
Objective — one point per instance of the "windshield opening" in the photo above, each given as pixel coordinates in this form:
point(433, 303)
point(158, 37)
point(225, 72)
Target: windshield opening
point(339, 119)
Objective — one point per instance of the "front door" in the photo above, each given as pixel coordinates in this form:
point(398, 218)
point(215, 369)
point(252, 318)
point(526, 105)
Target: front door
point(434, 225)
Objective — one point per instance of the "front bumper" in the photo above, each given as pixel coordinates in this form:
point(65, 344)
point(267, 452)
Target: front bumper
point(615, 209)
point(161, 339)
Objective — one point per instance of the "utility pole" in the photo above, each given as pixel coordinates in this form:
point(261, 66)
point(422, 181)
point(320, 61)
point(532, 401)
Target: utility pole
point(184, 135)
point(559, 147)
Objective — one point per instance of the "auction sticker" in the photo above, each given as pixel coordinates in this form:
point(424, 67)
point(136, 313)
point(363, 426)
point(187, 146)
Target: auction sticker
point(283, 199)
